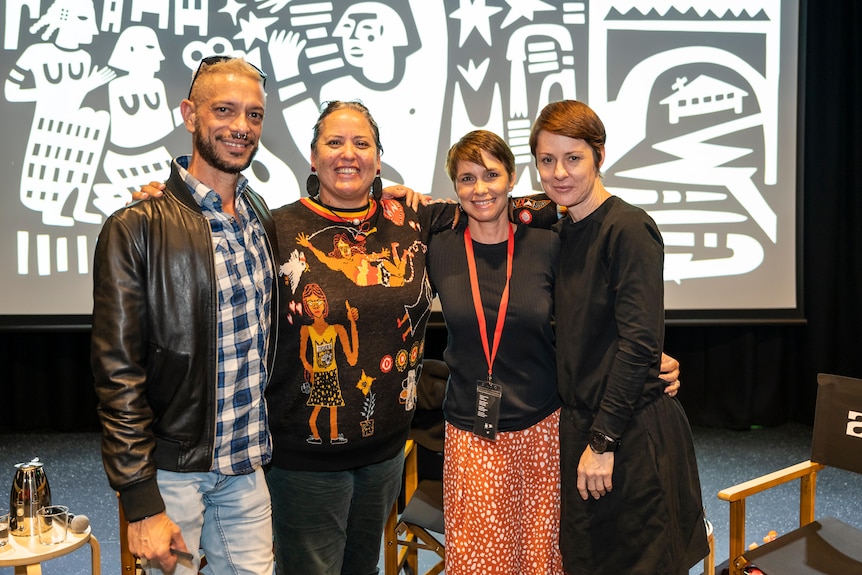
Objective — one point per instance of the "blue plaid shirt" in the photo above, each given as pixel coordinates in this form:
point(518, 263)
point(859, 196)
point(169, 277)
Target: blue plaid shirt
point(244, 277)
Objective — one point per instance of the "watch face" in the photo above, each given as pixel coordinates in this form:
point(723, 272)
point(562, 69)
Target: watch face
point(598, 443)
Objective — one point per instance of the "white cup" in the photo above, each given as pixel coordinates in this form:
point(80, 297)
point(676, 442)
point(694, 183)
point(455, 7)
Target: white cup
point(53, 521)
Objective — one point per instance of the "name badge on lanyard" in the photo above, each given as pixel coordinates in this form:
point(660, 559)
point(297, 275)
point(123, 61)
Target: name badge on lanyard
point(489, 394)
point(488, 397)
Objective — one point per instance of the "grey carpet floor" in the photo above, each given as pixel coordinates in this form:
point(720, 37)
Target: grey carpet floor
point(725, 457)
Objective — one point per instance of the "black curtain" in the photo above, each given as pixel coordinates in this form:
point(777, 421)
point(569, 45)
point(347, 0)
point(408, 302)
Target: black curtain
point(733, 376)
point(46, 382)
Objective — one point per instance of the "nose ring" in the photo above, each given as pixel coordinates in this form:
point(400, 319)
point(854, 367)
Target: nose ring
point(241, 136)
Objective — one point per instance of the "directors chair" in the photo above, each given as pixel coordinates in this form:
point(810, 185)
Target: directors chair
point(422, 517)
point(825, 546)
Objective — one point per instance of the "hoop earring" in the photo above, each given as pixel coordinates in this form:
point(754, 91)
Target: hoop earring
point(312, 184)
point(377, 187)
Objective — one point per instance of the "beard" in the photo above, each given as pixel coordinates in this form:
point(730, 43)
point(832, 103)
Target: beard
point(207, 151)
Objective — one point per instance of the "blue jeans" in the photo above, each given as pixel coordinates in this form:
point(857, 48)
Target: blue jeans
point(331, 522)
point(228, 516)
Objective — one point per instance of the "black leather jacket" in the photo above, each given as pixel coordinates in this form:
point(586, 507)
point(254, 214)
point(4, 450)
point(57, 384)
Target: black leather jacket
point(153, 347)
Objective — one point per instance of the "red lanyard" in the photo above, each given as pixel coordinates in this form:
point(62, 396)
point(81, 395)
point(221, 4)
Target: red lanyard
point(477, 298)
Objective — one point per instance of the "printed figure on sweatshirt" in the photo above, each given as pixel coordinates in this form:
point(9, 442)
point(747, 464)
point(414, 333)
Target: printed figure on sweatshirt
point(350, 257)
point(324, 389)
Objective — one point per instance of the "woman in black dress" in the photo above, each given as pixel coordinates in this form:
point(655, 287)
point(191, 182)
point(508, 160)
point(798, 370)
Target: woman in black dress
point(631, 499)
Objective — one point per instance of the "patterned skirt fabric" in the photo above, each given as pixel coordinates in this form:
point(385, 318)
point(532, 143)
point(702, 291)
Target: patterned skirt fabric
point(502, 501)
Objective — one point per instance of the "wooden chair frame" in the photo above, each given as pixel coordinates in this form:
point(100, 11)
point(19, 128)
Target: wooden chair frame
point(394, 558)
point(709, 560)
point(414, 538)
point(128, 562)
point(805, 472)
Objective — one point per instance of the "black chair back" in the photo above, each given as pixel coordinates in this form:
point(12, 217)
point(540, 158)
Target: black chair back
point(837, 437)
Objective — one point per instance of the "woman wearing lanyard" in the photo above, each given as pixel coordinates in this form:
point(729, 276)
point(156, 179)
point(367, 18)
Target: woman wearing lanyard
point(495, 281)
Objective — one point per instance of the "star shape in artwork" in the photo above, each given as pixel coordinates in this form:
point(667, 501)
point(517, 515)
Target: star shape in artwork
point(232, 7)
point(474, 15)
point(253, 28)
point(525, 9)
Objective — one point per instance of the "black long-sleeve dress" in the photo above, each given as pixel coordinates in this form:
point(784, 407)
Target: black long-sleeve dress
point(610, 331)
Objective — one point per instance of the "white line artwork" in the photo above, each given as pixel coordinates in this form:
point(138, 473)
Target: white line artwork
point(698, 100)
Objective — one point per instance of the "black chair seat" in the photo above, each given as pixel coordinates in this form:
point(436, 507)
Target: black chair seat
point(425, 508)
point(827, 546)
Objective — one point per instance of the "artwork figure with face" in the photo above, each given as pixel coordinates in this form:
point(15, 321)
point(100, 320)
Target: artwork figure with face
point(57, 75)
point(319, 339)
point(386, 267)
point(140, 114)
point(370, 32)
point(140, 117)
point(383, 59)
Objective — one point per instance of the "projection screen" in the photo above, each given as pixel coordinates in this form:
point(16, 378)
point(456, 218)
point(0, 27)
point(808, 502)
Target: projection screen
point(699, 100)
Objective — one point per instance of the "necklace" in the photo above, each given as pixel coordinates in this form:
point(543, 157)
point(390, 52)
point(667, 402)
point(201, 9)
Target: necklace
point(355, 216)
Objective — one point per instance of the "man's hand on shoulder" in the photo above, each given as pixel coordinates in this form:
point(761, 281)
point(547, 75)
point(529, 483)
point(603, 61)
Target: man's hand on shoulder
point(151, 190)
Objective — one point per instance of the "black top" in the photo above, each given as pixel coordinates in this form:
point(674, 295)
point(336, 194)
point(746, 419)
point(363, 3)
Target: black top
point(610, 314)
point(525, 363)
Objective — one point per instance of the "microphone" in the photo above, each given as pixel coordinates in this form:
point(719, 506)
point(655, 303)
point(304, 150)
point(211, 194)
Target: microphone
point(78, 523)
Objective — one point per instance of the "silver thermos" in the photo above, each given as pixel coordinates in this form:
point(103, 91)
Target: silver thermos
point(30, 492)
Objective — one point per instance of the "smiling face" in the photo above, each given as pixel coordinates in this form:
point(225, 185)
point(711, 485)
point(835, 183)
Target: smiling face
point(226, 120)
point(346, 159)
point(483, 190)
point(570, 173)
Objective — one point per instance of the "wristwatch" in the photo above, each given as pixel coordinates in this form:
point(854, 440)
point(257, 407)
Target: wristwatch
point(600, 443)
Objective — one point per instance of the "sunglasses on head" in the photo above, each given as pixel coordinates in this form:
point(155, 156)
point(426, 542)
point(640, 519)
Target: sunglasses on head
point(210, 60)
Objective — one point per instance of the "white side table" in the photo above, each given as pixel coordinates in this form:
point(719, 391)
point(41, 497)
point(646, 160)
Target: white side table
point(26, 554)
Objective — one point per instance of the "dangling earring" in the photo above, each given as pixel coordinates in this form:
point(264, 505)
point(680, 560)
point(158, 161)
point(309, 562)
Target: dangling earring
point(377, 187)
point(312, 184)
point(511, 209)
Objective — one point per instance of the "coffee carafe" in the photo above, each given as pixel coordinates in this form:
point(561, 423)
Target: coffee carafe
point(30, 492)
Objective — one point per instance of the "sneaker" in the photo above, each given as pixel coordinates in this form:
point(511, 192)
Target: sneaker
point(338, 440)
point(313, 440)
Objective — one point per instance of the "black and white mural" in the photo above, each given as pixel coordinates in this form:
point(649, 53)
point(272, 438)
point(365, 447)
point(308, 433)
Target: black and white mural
point(698, 98)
